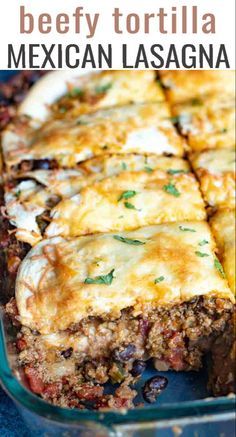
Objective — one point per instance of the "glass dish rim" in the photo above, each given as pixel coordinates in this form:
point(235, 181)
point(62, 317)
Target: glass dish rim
point(38, 406)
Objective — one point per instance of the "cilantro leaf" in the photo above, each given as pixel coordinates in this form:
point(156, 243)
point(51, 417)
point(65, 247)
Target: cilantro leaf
point(103, 279)
point(201, 254)
point(196, 102)
point(128, 240)
point(127, 194)
point(219, 267)
point(171, 189)
point(148, 169)
point(172, 171)
point(182, 228)
point(124, 166)
point(203, 242)
point(130, 206)
point(100, 89)
point(75, 92)
point(160, 279)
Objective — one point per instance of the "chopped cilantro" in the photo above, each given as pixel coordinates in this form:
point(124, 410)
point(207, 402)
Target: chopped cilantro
point(182, 228)
point(127, 194)
point(224, 130)
point(148, 169)
point(17, 194)
point(103, 279)
point(203, 242)
point(196, 102)
point(105, 147)
point(124, 166)
point(201, 254)
point(219, 267)
point(172, 171)
point(76, 92)
point(128, 240)
point(100, 89)
point(130, 206)
point(160, 279)
point(171, 189)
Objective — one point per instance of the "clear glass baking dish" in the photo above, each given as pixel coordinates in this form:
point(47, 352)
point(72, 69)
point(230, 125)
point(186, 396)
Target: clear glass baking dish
point(182, 408)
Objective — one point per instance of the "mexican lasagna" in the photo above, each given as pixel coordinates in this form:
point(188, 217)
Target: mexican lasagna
point(106, 238)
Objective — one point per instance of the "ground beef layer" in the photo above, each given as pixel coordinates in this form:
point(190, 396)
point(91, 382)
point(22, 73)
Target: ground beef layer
point(116, 351)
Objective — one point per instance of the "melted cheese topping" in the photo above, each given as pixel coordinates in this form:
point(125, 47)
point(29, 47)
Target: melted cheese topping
point(216, 172)
point(180, 85)
point(53, 290)
point(107, 205)
point(223, 226)
point(207, 123)
point(144, 128)
point(31, 198)
point(22, 214)
point(109, 88)
point(80, 92)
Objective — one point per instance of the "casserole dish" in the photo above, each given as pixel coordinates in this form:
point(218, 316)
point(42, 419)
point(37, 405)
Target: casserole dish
point(189, 389)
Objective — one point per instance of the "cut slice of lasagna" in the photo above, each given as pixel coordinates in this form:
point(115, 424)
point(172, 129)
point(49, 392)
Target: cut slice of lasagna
point(183, 85)
point(128, 201)
point(223, 226)
point(108, 88)
point(207, 122)
point(61, 282)
point(216, 171)
point(140, 128)
point(30, 198)
point(67, 93)
point(83, 307)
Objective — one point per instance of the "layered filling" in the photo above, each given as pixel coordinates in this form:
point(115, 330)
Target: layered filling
point(70, 368)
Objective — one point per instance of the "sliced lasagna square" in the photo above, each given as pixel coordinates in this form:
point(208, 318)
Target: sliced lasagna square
point(207, 122)
point(223, 227)
point(185, 85)
point(128, 201)
point(216, 172)
point(30, 198)
point(139, 128)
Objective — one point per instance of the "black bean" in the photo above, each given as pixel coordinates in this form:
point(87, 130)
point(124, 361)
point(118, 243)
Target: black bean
point(67, 353)
point(42, 164)
point(153, 387)
point(124, 355)
point(138, 367)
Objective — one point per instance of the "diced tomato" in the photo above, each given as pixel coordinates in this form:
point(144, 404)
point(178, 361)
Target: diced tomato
point(35, 382)
point(88, 392)
point(52, 390)
point(120, 402)
point(21, 344)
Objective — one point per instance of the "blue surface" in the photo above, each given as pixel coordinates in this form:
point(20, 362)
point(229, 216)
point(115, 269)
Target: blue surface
point(11, 423)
